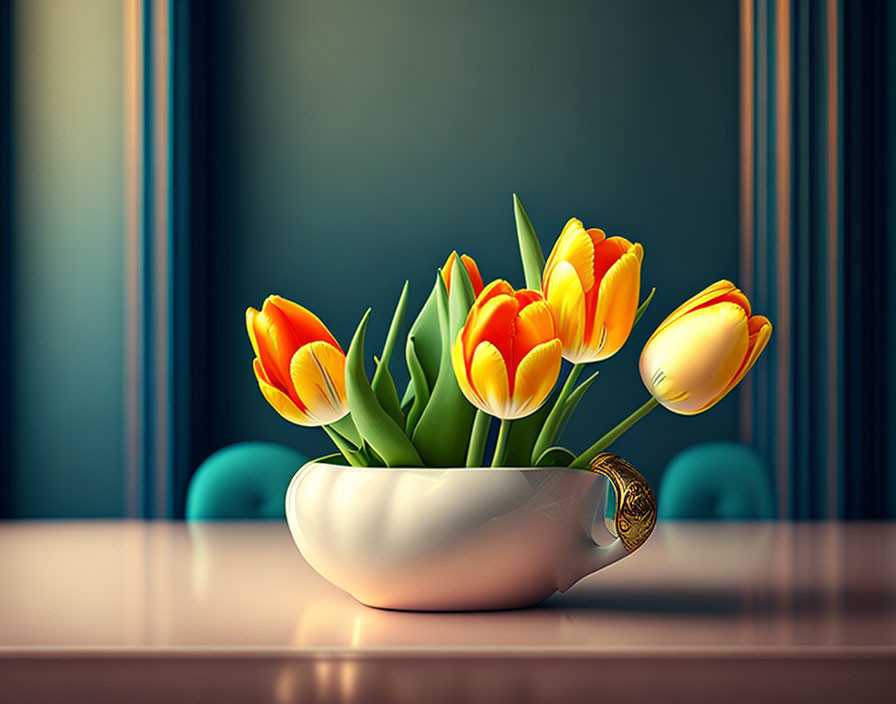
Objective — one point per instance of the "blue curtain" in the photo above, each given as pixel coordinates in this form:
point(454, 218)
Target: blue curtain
point(814, 251)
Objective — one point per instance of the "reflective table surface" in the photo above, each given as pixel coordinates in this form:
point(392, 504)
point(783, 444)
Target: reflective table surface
point(231, 612)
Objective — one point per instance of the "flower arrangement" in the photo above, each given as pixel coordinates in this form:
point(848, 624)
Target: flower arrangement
point(477, 352)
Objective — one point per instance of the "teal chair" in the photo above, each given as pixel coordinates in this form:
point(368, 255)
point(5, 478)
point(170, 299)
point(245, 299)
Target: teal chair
point(245, 481)
point(716, 481)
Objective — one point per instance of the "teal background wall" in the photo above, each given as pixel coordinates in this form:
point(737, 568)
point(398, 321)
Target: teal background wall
point(353, 145)
point(329, 151)
point(66, 325)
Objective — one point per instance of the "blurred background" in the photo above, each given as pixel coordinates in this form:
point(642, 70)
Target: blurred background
point(167, 164)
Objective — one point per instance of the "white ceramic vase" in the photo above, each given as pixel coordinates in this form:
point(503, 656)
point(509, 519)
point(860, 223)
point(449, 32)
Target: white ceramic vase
point(462, 538)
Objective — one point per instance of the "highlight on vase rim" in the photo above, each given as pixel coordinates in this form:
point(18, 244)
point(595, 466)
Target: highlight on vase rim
point(477, 352)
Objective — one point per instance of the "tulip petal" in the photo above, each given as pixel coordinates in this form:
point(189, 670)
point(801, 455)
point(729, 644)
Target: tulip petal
point(535, 377)
point(447, 269)
point(685, 366)
point(498, 287)
point(281, 402)
point(760, 332)
point(276, 345)
point(463, 375)
point(576, 248)
point(473, 273)
point(719, 288)
point(607, 253)
point(492, 321)
point(617, 303)
point(260, 373)
point(250, 328)
point(597, 235)
point(317, 371)
point(567, 301)
point(305, 325)
point(736, 296)
point(534, 324)
point(488, 375)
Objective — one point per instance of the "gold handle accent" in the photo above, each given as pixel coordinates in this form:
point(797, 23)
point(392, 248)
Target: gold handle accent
point(635, 502)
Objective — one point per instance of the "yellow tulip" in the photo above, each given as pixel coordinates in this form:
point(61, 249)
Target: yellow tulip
point(507, 356)
point(703, 349)
point(299, 366)
point(592, 284)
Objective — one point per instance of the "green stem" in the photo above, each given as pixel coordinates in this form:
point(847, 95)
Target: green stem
point(476, 448)
point(351, 455)
point(501, 447)
point(587, 457)
point(555, 417)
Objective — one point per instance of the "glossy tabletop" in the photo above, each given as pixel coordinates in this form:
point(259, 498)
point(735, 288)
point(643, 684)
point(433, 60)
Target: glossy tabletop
point(232, 610)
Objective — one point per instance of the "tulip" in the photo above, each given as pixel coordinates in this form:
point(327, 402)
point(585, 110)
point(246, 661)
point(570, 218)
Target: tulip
point(299, 366)
point(472, 272)
point(696, 356)
point(703, 349)
point(507, 356)
point(592, 285)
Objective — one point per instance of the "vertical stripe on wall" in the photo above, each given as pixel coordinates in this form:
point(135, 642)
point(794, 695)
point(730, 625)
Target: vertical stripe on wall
point(833, 229)
point(782, 180)
point(747, 176)
point(5, 252)
point(134, 388)
point(155, 269)
point(812, 250)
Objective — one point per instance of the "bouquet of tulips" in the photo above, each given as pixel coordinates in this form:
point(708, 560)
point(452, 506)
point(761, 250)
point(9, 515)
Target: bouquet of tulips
point(475, 352)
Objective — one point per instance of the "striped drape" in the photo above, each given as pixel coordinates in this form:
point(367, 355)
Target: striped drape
point(157, 345)
point(813, 246)
point(5, 250)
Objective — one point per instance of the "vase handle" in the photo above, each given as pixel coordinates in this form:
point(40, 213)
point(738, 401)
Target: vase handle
point(635, 518)
point(635, 502)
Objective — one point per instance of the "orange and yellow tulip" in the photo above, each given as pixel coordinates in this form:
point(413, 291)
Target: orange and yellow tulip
point(299, 366)
point(703, 349)
point(472, 272)
point(592, 284)
point(507, 356)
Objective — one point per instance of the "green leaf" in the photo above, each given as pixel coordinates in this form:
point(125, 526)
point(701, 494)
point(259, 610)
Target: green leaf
point(407, 401)
point(374, 424)
point(643, 307)
point(478, 437)
point(355, 458)
point(345, 426)
point(443, 431)
point(427, 341)
point(570, 406)
point(371, 457)
point(552, 422)
point(383, 385)
point(524, 432)
point(386, 393)
point(555, 457)
point(336, 458)
point(460, 300)
point(530, 249)
point(418, 380)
